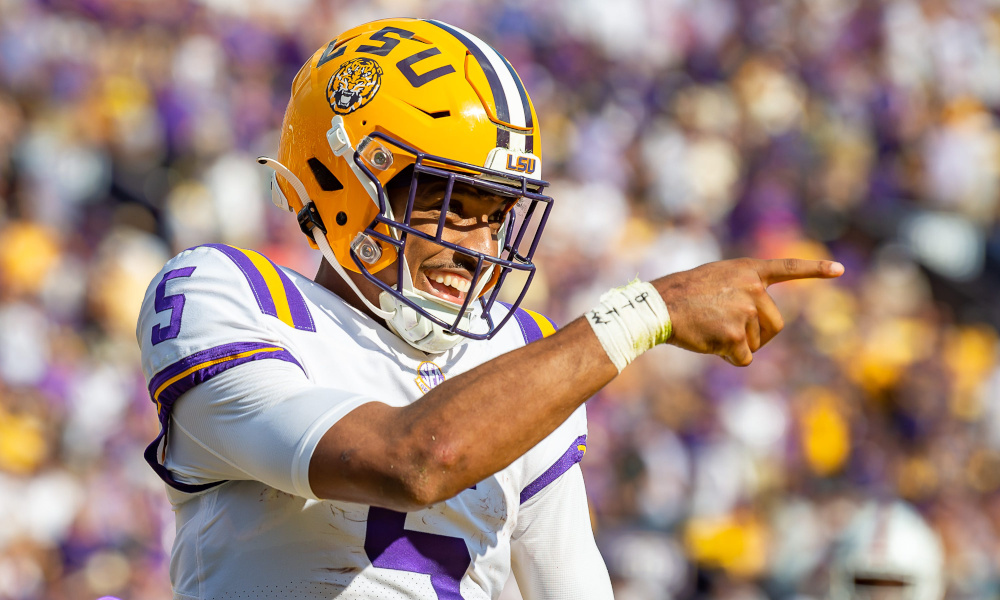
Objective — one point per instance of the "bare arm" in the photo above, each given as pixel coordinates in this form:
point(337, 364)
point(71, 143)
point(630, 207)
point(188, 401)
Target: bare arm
point(474, 425)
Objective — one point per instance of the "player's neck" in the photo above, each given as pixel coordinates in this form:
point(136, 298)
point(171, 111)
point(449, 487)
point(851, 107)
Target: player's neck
point(327, 277)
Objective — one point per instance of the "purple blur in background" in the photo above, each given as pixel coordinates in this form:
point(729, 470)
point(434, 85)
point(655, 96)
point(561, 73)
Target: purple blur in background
point(675, 132)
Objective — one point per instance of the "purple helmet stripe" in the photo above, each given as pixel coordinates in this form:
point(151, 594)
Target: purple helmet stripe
point(499, 97)
point(529, 140)
point(572, 456)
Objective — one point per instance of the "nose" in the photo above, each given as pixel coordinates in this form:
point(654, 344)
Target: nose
point(479, 238)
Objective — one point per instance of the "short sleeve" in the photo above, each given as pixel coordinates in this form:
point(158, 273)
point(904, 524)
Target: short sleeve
point(258, 421)
point(214, 332)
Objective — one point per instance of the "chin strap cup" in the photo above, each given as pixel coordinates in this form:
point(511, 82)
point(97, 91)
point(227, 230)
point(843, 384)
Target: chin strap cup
point(416, 329)
point(420, 332)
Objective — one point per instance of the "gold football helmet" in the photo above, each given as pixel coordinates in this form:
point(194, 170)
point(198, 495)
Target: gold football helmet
point(407, 101)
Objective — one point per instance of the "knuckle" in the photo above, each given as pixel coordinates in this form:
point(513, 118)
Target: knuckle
point(733, 336)
point(741, 359)
point(790, 265)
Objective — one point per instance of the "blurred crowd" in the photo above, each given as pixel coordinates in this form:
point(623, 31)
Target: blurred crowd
point(675, 132)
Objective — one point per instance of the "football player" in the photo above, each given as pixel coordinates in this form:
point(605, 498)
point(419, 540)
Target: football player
point(391, 429)
point(888, 552)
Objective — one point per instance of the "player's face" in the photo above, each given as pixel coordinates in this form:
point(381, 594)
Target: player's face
point(473, 221)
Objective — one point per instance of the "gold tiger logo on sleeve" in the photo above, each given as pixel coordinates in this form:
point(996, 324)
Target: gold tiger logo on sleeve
point(353, 85)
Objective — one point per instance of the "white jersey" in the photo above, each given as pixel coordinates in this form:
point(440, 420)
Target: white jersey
point(250, 364)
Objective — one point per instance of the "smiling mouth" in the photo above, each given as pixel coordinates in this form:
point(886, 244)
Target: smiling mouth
point(448, 286)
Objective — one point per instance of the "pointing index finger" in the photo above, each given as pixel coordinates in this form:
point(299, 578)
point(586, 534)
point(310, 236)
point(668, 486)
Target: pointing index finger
point(786, 269)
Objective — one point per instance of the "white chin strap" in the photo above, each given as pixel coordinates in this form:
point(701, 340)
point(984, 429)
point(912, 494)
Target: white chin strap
point(409, 325)
point(423, 333)
point(412, 327)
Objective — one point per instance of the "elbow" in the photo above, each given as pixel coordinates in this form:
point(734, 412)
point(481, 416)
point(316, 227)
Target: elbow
point(382, 456)
point(417, 498)
point(435, 475)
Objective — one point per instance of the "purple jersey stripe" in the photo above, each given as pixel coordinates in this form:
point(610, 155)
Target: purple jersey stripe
point(296, 303)
point(254, 278)
point(216, 360)
point(529, 328)
point(211, 354)
point(175, 389)
point(572, 456)
point(496, 86)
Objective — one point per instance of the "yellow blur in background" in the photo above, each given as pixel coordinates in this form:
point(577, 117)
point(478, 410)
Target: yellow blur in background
point(676, 133)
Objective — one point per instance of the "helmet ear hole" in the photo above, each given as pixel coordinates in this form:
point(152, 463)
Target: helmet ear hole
point(327, 181)
point(401, 179)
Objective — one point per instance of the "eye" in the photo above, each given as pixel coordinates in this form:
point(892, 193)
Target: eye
point(436, 204)
point(498, 216)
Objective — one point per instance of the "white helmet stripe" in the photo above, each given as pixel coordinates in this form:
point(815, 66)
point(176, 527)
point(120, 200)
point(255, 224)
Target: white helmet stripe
point(525, 104)
point(509, 105)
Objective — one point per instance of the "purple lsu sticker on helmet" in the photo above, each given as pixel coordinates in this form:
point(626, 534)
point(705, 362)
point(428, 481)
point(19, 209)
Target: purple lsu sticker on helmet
point(429, 376)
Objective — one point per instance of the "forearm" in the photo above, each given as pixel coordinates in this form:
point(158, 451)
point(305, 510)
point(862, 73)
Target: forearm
point(492, 415)
point(474, 425)
point(463, 430)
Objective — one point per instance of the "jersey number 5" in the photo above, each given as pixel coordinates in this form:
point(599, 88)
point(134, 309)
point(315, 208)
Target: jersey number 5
point(390, 545)
point(175, 304)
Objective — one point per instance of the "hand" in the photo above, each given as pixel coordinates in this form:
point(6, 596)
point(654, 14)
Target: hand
point(723, 307)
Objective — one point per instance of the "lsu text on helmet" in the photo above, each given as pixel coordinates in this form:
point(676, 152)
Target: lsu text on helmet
point(888, 552)
point(408, 101)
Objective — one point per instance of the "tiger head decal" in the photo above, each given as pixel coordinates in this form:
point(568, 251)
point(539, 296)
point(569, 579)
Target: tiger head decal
point(353, 85)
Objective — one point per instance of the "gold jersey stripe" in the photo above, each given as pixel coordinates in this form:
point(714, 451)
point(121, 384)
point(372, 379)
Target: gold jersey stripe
point(207, 363)
point(543, 324)
point(274, 285)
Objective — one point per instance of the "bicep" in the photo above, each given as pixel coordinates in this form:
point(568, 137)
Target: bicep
point(553, 551)
point(260, 421)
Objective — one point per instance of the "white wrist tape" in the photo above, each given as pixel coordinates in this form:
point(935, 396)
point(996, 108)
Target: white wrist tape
point(630, 320)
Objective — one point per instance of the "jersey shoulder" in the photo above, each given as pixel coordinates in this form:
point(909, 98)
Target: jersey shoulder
point(524, 325)
point(213, 301)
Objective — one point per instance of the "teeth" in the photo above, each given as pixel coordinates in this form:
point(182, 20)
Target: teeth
point(453, 281)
